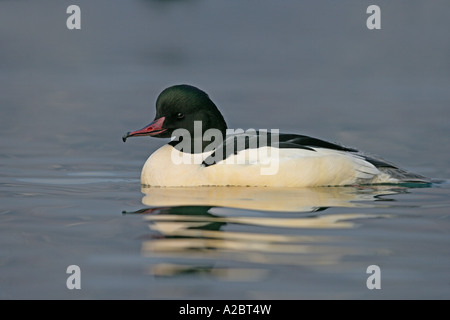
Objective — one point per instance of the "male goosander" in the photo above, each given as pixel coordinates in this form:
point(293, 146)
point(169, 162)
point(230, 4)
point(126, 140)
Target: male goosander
point(203, 153)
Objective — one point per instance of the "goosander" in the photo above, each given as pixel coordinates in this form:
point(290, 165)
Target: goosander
point(203, 152)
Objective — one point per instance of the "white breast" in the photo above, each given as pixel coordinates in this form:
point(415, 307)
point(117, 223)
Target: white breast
point(294, 168)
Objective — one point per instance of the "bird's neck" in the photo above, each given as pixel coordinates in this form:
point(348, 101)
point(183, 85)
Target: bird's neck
point(208, 141)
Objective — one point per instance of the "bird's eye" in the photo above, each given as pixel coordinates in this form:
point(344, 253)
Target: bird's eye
point(180, 115)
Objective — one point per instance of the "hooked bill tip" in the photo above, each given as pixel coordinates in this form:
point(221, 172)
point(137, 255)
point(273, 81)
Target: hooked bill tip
point(125, 136)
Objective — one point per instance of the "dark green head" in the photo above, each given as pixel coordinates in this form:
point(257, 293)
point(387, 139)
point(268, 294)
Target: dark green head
point(177, 107)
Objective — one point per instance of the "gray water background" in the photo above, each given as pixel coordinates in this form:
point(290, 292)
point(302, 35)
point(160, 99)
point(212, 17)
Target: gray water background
point(308, 67)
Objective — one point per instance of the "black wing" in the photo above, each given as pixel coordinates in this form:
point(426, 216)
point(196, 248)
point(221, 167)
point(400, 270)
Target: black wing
point(300, 141)
point(237, 142)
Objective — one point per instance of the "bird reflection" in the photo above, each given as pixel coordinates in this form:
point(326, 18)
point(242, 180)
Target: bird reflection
point(270, 199)
point(237, 233)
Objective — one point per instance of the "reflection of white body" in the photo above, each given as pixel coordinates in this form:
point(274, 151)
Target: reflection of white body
point(267, 199)
point(294, 168)
point(189, 223)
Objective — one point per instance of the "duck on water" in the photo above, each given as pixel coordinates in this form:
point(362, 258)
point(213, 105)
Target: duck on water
point(204, 152)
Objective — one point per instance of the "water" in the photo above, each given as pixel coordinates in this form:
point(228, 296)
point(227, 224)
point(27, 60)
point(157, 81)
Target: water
point(69, 187)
